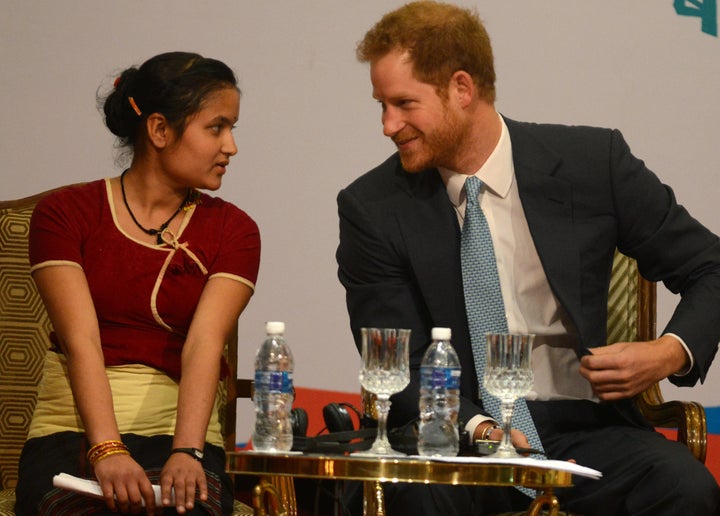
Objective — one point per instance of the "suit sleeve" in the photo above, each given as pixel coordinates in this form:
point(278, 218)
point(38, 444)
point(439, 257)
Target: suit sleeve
point(672, 247)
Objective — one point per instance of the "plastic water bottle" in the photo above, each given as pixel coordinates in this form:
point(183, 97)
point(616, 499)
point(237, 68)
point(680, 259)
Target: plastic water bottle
point(439, 397)
point(273, 395)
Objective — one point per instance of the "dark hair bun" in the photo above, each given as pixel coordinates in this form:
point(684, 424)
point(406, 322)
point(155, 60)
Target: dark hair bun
point(120, 117)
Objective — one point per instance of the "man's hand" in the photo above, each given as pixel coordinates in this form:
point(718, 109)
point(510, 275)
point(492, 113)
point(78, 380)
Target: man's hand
point(624, 369)
point(517, 438)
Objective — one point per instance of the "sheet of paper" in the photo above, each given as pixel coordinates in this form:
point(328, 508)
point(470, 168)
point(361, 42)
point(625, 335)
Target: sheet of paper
point(92, 488)
point(559, 465)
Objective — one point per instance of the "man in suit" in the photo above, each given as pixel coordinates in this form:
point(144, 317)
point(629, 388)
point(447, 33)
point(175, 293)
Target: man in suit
point(558, 201)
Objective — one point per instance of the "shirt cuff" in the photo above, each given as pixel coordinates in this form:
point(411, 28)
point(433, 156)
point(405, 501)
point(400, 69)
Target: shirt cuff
point(687, 352)
point(474, 422)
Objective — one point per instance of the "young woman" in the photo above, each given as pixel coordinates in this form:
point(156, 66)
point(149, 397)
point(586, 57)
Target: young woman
point(143, 278)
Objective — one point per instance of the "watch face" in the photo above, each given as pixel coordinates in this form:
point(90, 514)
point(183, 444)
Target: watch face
point(199, 454)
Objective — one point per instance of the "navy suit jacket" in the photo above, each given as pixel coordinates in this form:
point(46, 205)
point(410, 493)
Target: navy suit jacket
point(584, 195)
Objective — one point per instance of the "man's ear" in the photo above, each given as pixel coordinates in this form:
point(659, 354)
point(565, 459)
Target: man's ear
point(158, 130)
point(463, 86)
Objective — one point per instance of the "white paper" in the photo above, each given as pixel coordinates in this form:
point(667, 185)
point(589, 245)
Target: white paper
point(92, 488)
point(559, 465)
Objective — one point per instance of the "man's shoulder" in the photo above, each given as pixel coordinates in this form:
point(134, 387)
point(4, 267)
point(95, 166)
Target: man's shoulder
point(390, 176)
point(557, 133)
point(380, 176)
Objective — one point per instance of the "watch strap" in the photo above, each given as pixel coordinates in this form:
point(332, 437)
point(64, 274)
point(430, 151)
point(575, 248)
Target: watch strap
point(195, 453)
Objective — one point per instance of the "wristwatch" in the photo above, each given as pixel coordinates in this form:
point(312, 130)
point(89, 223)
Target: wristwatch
point(193, 452)
point(488, 430)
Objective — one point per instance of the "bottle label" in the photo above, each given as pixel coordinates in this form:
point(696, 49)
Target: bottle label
point(280, 382)
point(440, 377)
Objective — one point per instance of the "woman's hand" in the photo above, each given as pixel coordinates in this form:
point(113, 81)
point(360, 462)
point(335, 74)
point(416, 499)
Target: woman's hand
point(125, 485)
point(185, 475)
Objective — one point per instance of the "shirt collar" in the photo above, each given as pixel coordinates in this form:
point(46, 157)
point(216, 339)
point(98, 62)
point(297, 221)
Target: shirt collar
point(496, 173)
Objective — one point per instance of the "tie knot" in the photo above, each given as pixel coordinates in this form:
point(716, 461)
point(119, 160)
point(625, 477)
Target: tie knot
point(472, 188)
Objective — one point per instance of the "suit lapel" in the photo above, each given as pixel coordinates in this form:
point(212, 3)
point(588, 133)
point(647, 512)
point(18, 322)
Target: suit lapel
point(429, 226)
point(547, 202)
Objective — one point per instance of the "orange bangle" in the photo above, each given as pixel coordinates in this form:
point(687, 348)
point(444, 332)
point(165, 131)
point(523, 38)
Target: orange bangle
point(105, 449)
point(107, 454)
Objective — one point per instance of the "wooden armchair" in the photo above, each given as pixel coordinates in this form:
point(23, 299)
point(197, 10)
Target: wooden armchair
point(24, 330)
point(631, 317)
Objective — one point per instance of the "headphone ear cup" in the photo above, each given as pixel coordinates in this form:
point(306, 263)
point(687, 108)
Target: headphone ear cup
point(337, 418)
point(299, 421)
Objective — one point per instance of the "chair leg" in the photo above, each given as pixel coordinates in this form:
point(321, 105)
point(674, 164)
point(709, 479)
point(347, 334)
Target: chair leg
point(373, 498)
point(275, 496)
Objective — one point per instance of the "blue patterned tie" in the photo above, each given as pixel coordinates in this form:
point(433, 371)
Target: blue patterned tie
point(484, 303)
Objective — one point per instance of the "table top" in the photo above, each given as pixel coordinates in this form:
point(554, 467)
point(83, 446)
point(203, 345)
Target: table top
point(395, 469)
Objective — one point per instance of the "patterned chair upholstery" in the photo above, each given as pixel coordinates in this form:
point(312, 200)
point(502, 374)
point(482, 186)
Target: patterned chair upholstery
point(24, 330)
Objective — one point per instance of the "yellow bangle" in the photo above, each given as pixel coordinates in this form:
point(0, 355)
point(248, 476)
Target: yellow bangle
point(105, 449)
point(107, 454)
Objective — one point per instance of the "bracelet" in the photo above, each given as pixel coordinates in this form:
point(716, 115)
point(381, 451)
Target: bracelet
point(488, 430)
point(105, 449)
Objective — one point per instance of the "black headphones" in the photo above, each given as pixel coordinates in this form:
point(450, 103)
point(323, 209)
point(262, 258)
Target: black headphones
point(299, 421)
point(339, 434)
point(338, 419)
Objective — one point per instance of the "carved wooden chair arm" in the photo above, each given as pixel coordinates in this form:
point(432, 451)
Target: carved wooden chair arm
point(687, 416)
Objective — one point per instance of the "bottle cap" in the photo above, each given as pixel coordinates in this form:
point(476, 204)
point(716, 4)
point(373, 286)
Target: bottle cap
point(441, 333)
point(274, 327)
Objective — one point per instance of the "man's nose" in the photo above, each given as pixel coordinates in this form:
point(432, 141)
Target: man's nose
point(392, 122)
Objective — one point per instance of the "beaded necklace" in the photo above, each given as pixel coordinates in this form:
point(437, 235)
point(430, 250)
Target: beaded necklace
point(189, 200)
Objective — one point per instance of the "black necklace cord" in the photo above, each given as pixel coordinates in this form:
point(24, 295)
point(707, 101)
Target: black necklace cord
point(187, 202)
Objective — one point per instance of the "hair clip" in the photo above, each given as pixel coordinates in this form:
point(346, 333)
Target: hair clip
point(117, 82)
point(134, 106)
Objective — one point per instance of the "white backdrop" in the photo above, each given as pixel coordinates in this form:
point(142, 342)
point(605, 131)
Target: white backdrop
point(308, 125)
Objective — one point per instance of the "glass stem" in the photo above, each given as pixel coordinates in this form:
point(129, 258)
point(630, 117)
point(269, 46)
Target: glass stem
point(383, 408)
point(506, 410)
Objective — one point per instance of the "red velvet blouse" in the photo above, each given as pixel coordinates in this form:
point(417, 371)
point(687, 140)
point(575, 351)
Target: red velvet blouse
point(144, 295)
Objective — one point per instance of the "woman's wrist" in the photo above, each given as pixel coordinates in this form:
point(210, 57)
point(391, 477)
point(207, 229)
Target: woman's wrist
point(105, 449)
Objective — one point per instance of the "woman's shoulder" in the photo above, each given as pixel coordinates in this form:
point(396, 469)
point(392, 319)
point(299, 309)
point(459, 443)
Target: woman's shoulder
point(215, 207)
point(75, 197)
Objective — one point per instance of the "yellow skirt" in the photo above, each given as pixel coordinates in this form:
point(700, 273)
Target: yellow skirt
point(145, 401)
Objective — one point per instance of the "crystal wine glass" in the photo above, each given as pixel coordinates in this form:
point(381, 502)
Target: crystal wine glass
point(508, 376)
point(385, 370)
